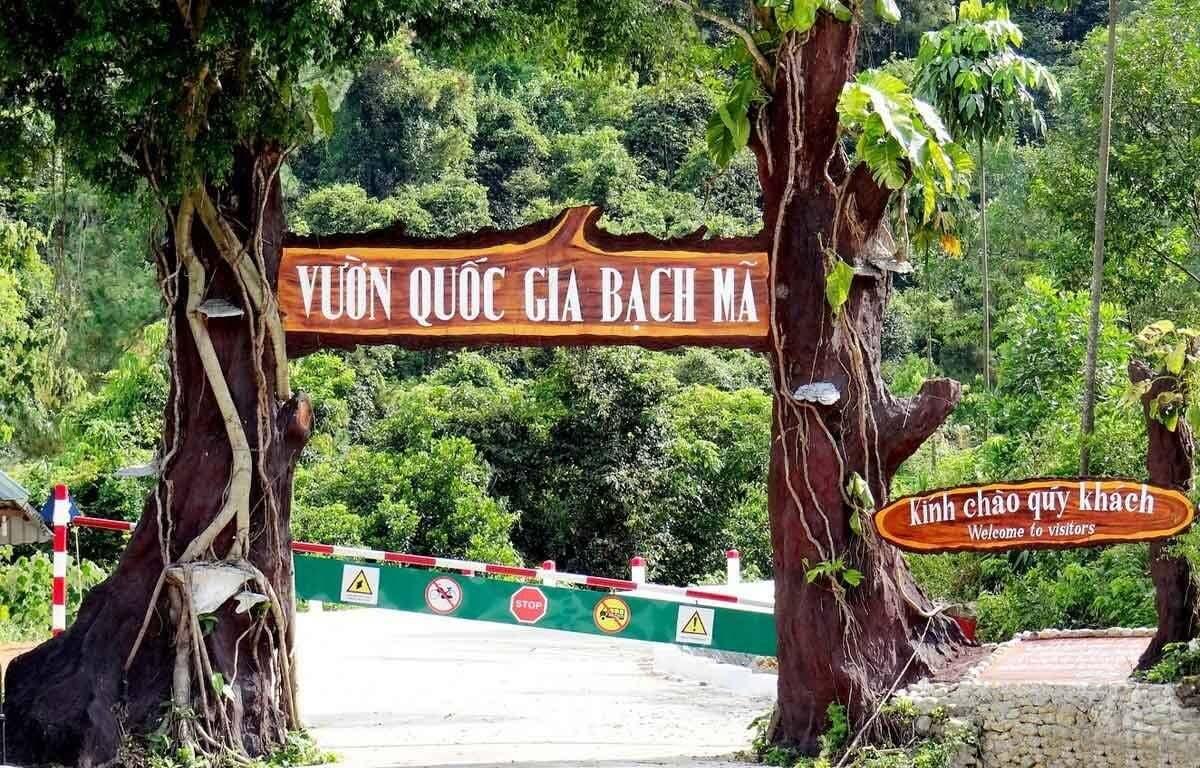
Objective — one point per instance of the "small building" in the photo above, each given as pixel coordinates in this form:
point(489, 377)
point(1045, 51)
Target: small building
point(20, 523)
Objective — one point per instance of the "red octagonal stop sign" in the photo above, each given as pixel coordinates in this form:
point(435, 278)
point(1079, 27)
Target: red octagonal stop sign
point(528, 605)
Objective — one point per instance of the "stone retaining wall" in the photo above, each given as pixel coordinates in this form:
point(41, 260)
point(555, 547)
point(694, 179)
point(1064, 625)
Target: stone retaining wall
point(1068, 725)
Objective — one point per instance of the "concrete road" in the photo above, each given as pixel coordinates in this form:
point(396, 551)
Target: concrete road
point(385, 688)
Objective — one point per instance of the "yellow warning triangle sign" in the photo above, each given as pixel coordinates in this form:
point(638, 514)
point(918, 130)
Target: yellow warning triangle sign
point(360, 585)
point(694, 626)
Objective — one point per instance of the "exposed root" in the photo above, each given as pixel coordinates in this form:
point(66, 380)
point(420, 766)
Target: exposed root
point(237, 503)
point(264, 303)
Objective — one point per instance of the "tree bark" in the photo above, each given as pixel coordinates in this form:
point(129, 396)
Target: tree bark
point(837, 643)
point(1168, 464)
point(71, 699)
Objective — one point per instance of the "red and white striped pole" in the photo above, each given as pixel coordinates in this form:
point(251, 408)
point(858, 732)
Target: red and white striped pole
point(637, 569)
point(733, 567)
point(546, 572)
point(58, 597)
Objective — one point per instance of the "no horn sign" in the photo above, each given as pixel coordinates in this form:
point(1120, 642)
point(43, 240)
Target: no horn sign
point(528, 605)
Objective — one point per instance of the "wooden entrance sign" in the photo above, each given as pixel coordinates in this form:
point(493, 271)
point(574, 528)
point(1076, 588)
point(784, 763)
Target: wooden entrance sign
point(1034, 514)
point(562, 281)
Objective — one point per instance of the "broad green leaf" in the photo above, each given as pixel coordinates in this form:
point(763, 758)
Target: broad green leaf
point(856, 525)
point(837, 285)
point(858, 489)
point(852, 577)
point(840, 11)
point(804, 14)
point(322, 114)
point(737, 123)
point(1176, 357)
point(720, 142)
point(933, 120)
point(887, 10)
point(1193, 418)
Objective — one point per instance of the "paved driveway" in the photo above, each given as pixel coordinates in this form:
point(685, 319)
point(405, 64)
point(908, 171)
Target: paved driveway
point(385, 688)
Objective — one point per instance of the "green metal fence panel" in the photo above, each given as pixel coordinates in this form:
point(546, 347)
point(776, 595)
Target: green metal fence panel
point(510, 602)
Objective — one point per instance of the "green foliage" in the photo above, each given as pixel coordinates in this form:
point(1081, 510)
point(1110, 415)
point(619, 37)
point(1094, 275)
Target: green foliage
point(429, 498)
point(836, 571)
point(1033, 430)
point(837, 284)
point(837, 732)
point(1067, 590)
point(728, 128)
point(117, 425)
point(521, 152)
point(25, 583)
point(971, 73)
point(400, 122)
point(664, 123)
point(898, 136)
point(341, 208)
point(1173, 355)
point(1043, 339)
point(713, 485)
point(894, 743)
point(1179, 660)
point(119, 81)
point(585, 457)
point(96, 246)
point(299, 749)
point(1153, 185)
point(35, 382)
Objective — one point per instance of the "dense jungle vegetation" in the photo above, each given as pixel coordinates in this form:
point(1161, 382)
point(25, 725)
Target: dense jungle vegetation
point(590, 456)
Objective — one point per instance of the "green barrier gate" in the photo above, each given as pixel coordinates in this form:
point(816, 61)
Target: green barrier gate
point(570, 610)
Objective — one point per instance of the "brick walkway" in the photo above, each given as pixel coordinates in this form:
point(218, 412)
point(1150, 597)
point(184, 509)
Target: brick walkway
point(1066, 660)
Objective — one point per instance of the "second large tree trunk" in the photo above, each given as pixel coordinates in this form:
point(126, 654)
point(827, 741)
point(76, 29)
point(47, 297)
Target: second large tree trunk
point(71, 699)
point(1169, 465)
point(838, 643)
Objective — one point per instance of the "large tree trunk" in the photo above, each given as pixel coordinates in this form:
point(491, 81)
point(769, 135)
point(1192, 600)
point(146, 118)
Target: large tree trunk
point(837, 642)
point(71, 700)
point(1168, 464)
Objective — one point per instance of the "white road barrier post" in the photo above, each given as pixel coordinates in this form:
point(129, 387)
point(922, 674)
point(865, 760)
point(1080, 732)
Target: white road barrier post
point(637, 569)
point(58, 597)
point(546, 573)
point(733, 567)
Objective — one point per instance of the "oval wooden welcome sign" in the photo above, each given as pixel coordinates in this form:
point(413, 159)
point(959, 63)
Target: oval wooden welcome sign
point(1034, 514)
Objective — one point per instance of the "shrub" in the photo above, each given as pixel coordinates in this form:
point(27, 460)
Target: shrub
point(25, 585)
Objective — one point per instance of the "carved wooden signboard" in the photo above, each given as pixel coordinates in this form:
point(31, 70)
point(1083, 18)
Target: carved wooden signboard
point(562, 281)
point(1034, 514)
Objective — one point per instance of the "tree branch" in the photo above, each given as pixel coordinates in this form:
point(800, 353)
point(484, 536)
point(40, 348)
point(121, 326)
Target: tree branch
point(867, 204)
point(910, 421)
point(1157, 252)
point(760, 61)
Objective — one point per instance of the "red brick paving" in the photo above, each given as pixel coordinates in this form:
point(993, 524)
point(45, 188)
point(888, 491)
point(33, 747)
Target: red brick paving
point(1066, 660)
